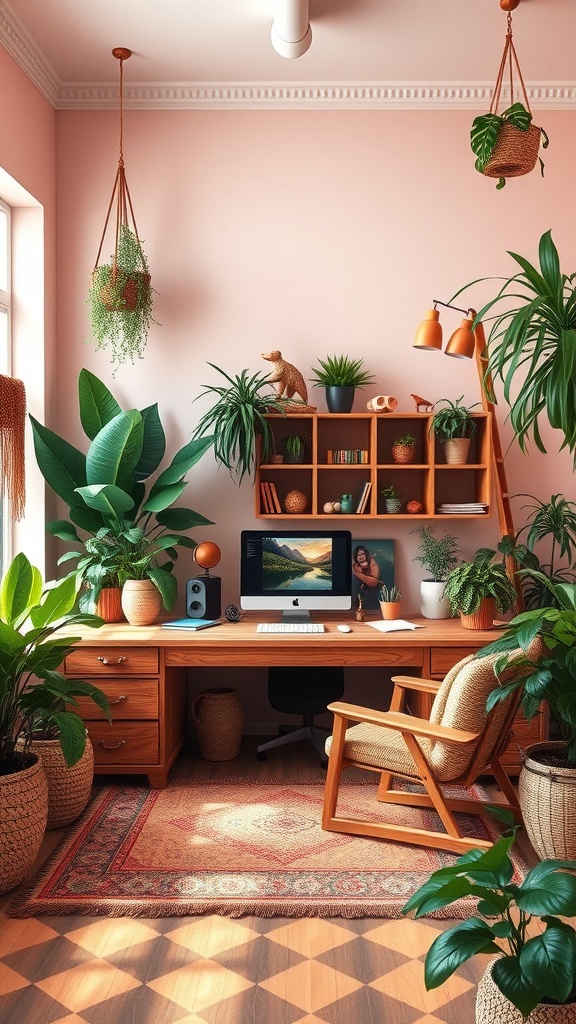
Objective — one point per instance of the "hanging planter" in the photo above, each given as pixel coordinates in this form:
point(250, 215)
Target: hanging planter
point(120, 295)
point(506, 145)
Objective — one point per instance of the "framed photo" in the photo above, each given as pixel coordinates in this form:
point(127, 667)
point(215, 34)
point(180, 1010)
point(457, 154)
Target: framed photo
point(372, 564)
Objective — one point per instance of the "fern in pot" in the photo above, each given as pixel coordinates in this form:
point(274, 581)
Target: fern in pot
point(438, 556)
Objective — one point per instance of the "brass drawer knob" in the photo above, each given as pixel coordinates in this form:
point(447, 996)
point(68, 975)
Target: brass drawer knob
point(111, 661)
point(112, 746)
point(123, 696)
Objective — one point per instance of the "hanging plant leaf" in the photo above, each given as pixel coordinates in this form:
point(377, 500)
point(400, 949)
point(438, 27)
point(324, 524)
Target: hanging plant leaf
point(501, 183)
point(518, 116)
point(483, 136)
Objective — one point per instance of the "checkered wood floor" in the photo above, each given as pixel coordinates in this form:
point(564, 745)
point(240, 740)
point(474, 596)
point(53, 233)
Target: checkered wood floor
point(218, 970)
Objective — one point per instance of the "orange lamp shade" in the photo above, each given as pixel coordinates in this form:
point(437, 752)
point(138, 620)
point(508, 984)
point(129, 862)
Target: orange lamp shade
point(429, 333)
point(461, 344)
point(207, 554)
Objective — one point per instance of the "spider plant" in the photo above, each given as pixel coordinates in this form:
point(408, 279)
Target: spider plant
point(532, 347)
point(340, 372)
point(238, 418)
point(453, 421)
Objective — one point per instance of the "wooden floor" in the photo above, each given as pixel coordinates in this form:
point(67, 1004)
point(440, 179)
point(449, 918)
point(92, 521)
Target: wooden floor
point(216, 970)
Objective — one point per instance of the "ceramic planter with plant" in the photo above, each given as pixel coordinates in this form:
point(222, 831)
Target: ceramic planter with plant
point(532, 977)
point(120, 300)
point(241, 436)
point(476, 590)
point(547, 788)
point(31, 685)
point(389, 599)
point(454, 426)
point(553, 523)
point(295, 446)
point(438, 556)
point(340, 376)
point(392, 502)
point(106, 490)
point(404, 449)
point(531, 344)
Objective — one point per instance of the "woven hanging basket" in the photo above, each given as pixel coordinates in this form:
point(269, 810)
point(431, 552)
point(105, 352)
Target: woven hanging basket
point(515, 152)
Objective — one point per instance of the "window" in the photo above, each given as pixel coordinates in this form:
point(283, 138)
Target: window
point(5, 294)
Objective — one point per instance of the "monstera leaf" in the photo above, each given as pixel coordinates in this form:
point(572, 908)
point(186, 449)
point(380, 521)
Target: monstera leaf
point(483, 137)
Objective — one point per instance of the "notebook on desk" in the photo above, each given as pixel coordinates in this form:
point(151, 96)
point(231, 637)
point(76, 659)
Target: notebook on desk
point(191, 624)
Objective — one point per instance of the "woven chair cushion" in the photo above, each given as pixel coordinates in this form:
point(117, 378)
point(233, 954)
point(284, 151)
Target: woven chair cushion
point(381, 748)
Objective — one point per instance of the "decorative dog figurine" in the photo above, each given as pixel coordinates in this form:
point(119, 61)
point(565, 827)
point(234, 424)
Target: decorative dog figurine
point(288, 379)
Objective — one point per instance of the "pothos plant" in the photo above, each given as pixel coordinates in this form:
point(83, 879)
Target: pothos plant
point(120, 299)
point(486, 129)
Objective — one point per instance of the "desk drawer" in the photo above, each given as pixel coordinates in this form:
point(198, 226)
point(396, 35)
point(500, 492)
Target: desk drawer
point(444, 658)
point(111, 661)
point(124, 743)
point(129, 698)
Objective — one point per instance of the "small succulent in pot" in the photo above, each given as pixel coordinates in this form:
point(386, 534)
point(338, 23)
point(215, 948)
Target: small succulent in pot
point(391, 500)
point(404, 448)
point(295, 447)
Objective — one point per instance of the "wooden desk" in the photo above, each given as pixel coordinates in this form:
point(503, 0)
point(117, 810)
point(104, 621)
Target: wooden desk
point(142, 669)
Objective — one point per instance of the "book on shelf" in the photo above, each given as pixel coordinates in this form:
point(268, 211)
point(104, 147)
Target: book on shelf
point(363, 500)
point(275, 498)
point(264, 497)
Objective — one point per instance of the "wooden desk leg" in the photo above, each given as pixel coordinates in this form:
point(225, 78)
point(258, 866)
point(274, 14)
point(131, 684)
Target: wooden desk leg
point(158, 780)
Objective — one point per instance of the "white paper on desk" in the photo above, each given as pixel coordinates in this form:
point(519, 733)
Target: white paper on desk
point(390, 625)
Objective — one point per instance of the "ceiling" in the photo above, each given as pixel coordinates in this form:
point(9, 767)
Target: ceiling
point(218, 53)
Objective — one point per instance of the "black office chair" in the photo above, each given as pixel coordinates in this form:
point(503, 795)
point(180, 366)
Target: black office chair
point(306, 692)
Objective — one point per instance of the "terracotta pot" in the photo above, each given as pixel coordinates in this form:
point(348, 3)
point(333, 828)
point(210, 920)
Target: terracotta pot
point(456, 450)
point(483, 618)
point(109, 604)
point(23, 815)
point(68, 788)
point(403, 453)
point(547, 795)
point(492, 1007)
point(390, 609)
point(141, 602)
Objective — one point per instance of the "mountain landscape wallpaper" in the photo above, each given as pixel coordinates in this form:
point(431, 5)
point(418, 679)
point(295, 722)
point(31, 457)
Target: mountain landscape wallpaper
point(296, 563)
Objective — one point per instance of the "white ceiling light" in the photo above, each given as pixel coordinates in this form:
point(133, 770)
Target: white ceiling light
point(291, 32)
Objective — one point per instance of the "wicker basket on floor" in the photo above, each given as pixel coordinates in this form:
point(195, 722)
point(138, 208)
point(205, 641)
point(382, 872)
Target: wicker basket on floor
point(218, 718)
point(68, 788)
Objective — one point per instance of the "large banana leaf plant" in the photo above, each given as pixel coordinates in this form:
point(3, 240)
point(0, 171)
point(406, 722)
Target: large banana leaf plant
point(130, 526)
point(531, 346)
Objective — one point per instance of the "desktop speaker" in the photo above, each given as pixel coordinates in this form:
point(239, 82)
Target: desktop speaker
point(203, 597)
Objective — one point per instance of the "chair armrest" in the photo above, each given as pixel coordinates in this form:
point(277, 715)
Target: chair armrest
point(415, 683)
point(402, 723)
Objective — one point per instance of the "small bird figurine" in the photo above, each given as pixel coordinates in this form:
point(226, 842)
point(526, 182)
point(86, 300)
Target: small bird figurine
point(422, 402)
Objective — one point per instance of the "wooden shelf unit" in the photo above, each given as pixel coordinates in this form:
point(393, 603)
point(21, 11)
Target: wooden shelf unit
point(428, 479)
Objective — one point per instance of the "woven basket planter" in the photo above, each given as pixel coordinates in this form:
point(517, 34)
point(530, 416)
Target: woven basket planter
point(456, 450)
point(515, 152)
point(141, 602)
point(23, 814)
point(218, 718)
point(482, 618)
point(68, 788)
point(493, 1008)
point(547, 795)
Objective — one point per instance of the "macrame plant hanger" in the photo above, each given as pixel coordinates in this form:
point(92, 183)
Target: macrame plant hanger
point(122, 294)
point(12, 423)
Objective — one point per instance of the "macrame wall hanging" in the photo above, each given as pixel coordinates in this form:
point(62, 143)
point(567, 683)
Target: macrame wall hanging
point(120, 294)
point(12, 423)
point(506, 145)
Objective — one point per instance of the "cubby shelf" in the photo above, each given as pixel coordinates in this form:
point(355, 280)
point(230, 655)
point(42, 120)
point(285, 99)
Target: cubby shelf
point(369, 436)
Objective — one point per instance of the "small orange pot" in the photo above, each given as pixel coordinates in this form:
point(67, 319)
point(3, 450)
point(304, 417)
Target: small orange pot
point(483, 618)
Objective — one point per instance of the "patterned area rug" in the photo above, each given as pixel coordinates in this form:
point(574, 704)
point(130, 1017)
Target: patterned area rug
point(233, 848)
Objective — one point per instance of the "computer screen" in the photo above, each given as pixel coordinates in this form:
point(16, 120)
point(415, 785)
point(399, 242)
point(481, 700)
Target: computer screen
point(296, 571)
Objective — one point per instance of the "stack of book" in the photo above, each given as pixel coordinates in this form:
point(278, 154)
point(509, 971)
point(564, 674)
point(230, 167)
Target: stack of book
point(347, 456)
point(269, 498)
point(364, 498)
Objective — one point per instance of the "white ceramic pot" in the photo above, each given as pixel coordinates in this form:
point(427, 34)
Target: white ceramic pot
point(433, 604)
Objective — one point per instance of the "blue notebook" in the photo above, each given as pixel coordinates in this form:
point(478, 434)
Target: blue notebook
point(191, 624)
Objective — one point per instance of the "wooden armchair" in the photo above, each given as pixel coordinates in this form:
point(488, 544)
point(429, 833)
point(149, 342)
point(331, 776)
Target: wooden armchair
point(459, 742)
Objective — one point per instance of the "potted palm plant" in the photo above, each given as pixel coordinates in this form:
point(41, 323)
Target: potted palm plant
point(240, 432)
point(31, 685)
point(340, 376)
point(552, 522)
point(532, 976)
point(532, 338)
point(105, 489)
point(454, 426)
point(547, 787)
point(438, 556)
point(476, 589)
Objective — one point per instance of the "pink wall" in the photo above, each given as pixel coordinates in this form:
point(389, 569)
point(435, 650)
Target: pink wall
point(313, 232)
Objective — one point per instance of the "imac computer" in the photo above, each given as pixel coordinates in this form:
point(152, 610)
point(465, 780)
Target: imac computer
point(296, 572)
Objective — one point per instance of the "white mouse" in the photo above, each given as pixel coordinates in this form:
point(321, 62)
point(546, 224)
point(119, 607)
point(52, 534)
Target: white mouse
point(344, 629)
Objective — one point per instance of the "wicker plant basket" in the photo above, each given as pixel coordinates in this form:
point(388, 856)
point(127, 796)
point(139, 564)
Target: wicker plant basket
point(23, 814)
point(456, 450)
point(218, 718)
point(68, 788)
point(141, 602)
point(515, 152)
point(493, 1008)
point(547, 797)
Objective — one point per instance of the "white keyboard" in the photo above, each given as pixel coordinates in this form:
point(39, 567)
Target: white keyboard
point(290, 627)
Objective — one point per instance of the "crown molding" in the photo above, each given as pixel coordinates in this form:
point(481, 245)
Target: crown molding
point(260, 95)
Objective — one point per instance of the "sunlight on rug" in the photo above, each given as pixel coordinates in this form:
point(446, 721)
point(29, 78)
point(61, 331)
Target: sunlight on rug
point(235, 848)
